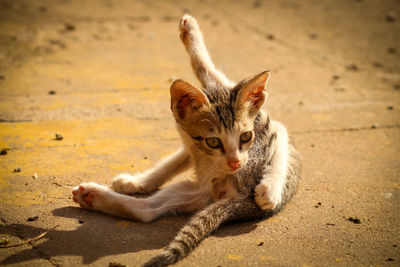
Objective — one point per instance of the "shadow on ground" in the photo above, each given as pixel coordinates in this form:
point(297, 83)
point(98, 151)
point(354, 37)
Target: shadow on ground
point(93, 240)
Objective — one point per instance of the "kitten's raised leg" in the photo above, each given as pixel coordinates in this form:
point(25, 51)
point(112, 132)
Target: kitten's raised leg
point(268, 194)
point(183, 196)
point(202, 64)
point(153, 178)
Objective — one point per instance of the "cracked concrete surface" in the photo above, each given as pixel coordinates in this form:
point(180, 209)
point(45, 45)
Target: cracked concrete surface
point(98, 73)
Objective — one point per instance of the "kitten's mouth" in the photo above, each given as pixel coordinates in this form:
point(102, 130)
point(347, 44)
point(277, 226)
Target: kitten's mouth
point(233, 170)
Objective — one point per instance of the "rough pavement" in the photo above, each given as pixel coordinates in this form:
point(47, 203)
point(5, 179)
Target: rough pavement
point(98, 73)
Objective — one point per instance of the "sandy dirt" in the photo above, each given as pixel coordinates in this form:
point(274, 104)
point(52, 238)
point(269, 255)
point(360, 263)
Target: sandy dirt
point(98, 73)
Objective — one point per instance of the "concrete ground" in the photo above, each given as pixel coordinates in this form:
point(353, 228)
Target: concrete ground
point(98, 74)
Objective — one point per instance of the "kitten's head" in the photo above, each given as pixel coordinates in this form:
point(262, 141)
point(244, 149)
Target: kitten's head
point(220, 122)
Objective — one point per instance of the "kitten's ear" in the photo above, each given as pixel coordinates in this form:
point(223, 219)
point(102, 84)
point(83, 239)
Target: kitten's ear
point(252, 94)
point(186, 99)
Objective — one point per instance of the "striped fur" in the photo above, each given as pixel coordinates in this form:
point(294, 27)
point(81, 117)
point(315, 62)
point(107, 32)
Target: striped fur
point(205, 222)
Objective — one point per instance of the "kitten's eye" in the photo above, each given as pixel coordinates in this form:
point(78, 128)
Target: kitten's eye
point(213, 142)
point(246, 137)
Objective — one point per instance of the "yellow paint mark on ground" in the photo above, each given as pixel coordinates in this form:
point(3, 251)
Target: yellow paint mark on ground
point(234, 257)
point(30, 134)
point(338, 259)
point(123, 223)
point(267, 258)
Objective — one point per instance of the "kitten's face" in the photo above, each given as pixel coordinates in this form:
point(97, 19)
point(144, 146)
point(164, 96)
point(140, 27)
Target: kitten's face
point(227, 147)
point(220, 122)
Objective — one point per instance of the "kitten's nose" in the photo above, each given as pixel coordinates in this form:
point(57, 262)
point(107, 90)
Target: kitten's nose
point(234, 165)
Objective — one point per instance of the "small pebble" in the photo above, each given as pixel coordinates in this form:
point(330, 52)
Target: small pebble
point(330, 224)
point(390, 107)
point(389, 259)
point(374, 126)
point(42, 9)
point(392, 50)
point(145, 157)
point(260, 244)
point(52, 92)
point(313, 36)
point(257, 4)
point(319, 203)
point(316, 206)
point(270, 37)
point(123, 242)
point(81, 222)
point(70, 27)
point(391, 16)
point(3, 152)
point(35, 176)
point(352, 67)
point(17, 169)
point(354, 220)
point(59, 137)
point(377, 65)
point(32, 219)
point(395, 246)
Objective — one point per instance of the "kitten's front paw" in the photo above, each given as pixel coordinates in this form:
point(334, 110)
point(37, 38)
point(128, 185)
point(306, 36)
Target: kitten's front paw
point(266, 198)
point(128, 184)
point(91, 195)
point(188, 27)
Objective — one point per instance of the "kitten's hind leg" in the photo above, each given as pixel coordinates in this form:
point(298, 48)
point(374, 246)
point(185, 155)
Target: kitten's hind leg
point(202, 64)
point(98, 197)
point(183, 196)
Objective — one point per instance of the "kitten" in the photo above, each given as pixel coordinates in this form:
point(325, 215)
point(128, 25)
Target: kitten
point(245, 167)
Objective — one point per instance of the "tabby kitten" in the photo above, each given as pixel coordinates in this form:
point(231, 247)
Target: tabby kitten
point(244, 165)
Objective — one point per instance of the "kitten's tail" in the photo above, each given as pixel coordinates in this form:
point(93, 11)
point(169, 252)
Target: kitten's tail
point(204, 223)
